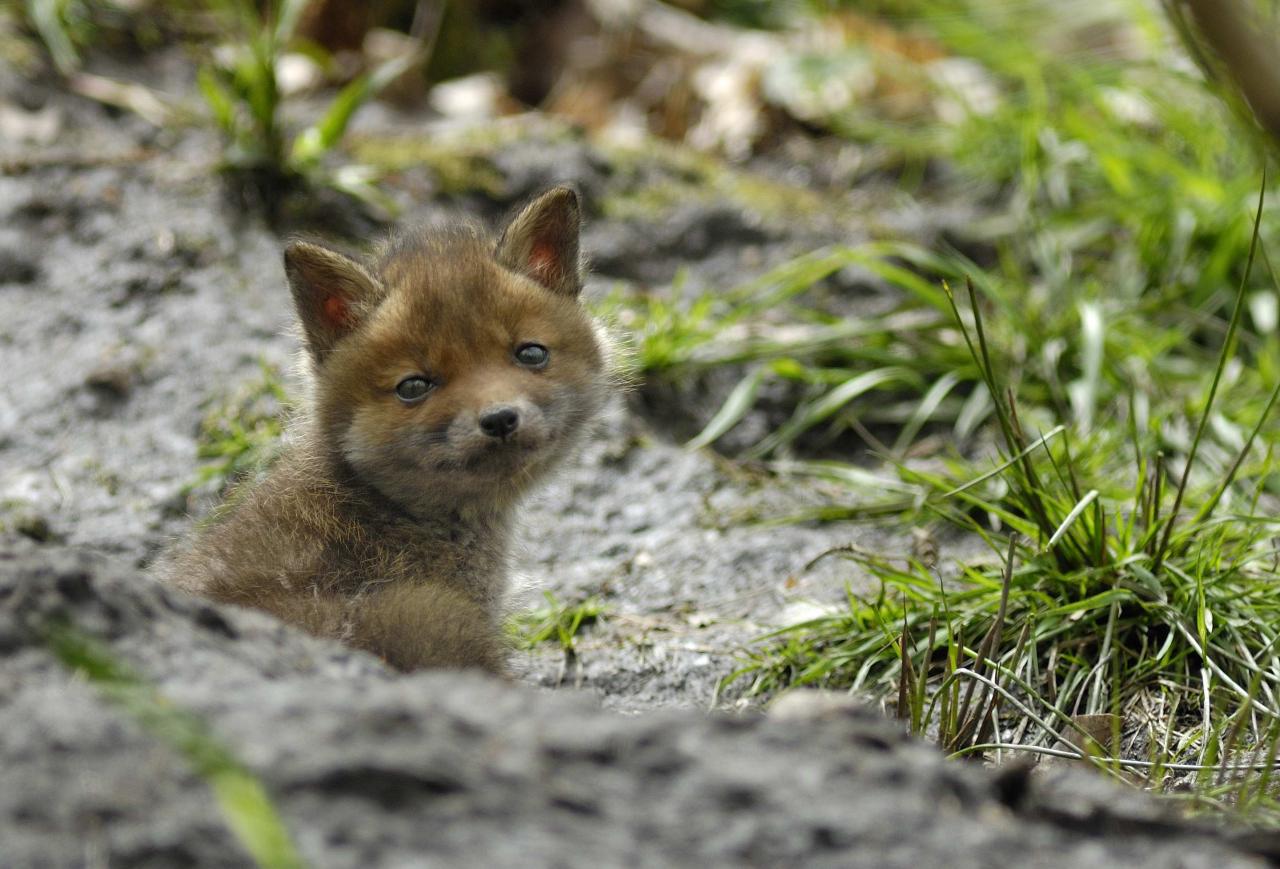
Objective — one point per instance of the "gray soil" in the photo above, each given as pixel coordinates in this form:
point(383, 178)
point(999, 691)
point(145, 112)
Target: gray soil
point(371, 769)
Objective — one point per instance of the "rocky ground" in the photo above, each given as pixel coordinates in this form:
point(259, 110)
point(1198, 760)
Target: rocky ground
point(369, 768)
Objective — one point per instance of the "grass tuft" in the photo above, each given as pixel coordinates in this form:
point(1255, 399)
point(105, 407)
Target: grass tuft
point(555, 622)
point(241, 436)
point(243, 93)
point(1108, 598)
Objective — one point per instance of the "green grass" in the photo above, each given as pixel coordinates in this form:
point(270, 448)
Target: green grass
point(246, 103)
point(244, 802)
point(262, 152)
point(1120, 589)
point(240, 436)
point(50, 19)
point(1111, 595)
point(556, 621)
point(1109, 265)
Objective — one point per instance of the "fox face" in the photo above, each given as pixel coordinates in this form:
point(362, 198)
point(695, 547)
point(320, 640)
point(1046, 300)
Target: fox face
point(453, 371)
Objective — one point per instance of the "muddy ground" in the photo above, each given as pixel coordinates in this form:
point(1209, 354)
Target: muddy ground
point(135, 295)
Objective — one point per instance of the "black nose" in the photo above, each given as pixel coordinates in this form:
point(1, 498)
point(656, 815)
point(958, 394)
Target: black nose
point(500, 422)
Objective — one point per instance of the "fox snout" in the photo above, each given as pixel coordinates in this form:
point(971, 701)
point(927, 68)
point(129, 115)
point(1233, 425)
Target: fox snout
point(499, 422)
point(511, 420)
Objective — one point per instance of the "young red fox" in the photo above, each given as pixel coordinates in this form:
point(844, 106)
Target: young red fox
point(449, 374)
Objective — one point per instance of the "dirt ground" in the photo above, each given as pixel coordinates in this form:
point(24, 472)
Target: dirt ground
point(135, 295)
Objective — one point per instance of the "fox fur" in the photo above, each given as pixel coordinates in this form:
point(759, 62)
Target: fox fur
point(387, 523)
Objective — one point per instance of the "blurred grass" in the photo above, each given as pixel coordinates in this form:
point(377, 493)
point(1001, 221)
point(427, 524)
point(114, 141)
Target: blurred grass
point(1122, 190)
point(242, 89)
point(245, 804)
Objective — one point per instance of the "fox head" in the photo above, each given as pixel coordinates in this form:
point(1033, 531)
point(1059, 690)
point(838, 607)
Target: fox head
point(451, 370)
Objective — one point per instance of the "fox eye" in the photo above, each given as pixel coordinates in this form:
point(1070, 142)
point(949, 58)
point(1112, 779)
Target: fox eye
point(413, 389)
point(532, 355)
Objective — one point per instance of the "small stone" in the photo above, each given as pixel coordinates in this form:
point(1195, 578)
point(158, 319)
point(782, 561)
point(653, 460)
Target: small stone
point(803, 704)
point(16, 268)
point(111, 381)
point(115, 375)
point(39, 127)
point(34, 526)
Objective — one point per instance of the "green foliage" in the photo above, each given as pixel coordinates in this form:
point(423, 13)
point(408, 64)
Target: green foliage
point(244, 801)
point(53, 21)
point(1109, 599)
point(558, 621)
point(244, 97)
point(241, 435)
point(1120, 339)
point(243, 94)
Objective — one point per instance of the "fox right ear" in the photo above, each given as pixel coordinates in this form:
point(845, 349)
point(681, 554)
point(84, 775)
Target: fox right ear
point(332, 293)
point(542, 242)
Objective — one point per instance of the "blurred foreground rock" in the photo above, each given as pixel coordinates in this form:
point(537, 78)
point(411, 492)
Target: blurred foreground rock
point(369, 768)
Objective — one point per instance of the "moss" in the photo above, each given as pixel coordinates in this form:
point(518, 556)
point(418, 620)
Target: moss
point(461, 161)
point(686, 175)
point(456, 170)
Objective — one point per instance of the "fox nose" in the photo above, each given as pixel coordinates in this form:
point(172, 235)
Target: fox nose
point(499, 422)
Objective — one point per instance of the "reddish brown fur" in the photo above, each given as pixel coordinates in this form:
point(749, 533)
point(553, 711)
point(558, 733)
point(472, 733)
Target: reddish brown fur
point(387, 524)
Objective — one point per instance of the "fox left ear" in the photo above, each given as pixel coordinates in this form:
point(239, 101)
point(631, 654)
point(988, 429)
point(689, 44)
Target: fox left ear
point(542, 242)
point(332, 293)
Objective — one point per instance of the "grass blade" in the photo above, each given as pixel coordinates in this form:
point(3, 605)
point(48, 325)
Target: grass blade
point(46, 17)
point(245, 804)
point(287, 20)
point(735, 407)
point(318, 139)
point(809, 415)
point(1227, 347)
point(1071, 517)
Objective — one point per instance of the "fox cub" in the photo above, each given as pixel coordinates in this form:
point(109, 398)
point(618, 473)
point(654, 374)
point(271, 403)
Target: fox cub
point(448, 374)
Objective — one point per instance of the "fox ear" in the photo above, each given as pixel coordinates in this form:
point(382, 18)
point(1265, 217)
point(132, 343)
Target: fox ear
point(332, 293)
point(542, 242)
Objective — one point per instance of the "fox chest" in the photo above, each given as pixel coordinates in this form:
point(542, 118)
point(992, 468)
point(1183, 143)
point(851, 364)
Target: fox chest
point(462, 560)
